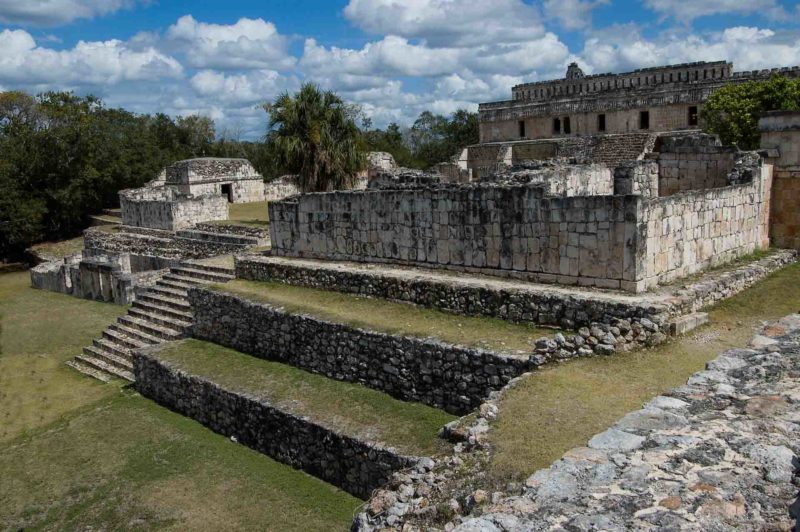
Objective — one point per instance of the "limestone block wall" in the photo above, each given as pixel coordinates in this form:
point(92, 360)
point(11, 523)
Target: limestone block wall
point(355, 466)
point(637, 177)
point(164, 208)
point(780, 135)
point(693, 230)
point(693, 162)
point(455, 379)
point(511, 230)
point(280, 188)
point(561, 179)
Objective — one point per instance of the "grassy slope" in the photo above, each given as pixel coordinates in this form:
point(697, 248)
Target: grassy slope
point(254, 214)
point(346, 407)
point(77, 454)
point(391, 317)
point(561, 407)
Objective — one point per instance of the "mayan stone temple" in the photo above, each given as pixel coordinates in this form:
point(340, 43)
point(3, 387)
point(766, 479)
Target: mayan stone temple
point(596, 220)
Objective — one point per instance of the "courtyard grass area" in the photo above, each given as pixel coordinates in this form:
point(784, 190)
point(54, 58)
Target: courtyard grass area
point(392, 317)
point(254, 214)
point(563, 406)
point(79, 454)
point(40, 331)
point(348, 408)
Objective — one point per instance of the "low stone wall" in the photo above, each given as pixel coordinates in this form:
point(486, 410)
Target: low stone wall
point(233, 229)
point(353, 465)
point(560, 178)
point(280, 188)
point(565, 310)
point(693, 162)
point(455, 379)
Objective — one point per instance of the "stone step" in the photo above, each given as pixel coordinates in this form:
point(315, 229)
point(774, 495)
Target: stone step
point(119, 334)
point(109, 358)
point(105, 367)
point(111, 346)
point(184, 314)
point(169, 292)
point(196, 265)
point(177, 285)
point(218, 238)
point(155, 316)
point(88, 370)
point(156, 331)
point(134, 334)
point(176, 303)
point(191, 281)
point(196, 273)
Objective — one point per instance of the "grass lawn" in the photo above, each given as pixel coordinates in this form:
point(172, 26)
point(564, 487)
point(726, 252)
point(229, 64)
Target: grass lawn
point(564, 405)
point(353, 409)
point(391, 317)
point(79, 454)
point(254, 214)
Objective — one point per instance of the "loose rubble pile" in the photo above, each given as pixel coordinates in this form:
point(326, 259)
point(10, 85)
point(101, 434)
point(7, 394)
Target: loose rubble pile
point(720, 453)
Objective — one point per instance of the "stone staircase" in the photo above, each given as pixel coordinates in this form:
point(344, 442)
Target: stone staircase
point(161, 313)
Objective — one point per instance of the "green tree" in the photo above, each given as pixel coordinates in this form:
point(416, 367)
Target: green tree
point(313, 134)
point(732, 112)
point(391, 141)
point(436, 138)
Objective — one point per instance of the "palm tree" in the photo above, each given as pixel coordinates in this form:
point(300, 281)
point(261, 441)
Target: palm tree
point(314, 136)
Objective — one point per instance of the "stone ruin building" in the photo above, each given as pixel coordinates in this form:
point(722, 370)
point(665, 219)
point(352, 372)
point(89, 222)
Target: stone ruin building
point(667, 98)
point(612, 239)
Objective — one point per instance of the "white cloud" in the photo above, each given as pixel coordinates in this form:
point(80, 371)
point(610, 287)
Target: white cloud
point(686, 11)
point(249, 43)
point(448, 22)
point(55, 12)
point(748, 48)
point(572, 14)
point(254, 87)
point(88, 63)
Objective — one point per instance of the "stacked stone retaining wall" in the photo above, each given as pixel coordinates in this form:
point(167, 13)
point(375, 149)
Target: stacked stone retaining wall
point(353, 465)
point(453, 378)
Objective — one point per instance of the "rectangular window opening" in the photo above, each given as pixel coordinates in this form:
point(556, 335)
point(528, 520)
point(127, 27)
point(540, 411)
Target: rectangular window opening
point(556, 125)
point(601, 122)
point(567, 128)
point(521, 129)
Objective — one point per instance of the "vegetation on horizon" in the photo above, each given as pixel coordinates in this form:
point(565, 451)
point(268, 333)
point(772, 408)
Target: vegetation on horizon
point(65, 157)
point(732, 112)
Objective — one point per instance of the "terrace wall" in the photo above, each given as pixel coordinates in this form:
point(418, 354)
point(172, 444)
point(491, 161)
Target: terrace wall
point(455, 379)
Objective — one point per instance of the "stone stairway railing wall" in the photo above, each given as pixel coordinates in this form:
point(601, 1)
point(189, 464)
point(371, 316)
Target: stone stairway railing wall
point(455, 379)
point(160, 313)
point(355, 466)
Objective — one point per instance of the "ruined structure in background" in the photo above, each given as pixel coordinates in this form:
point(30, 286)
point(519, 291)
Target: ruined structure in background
point(657, 99)
point(689, 205)
point(234, 179)
point(780, 138)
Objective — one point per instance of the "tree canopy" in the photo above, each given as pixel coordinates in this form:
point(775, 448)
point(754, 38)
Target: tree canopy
point(732, 112)
point(313, 135)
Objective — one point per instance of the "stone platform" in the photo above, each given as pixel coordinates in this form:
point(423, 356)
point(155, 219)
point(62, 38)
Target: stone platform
point(568, 308)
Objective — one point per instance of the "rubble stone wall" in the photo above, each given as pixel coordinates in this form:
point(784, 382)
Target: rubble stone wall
point(353, 465)
point(455, 379)
point(166, 209)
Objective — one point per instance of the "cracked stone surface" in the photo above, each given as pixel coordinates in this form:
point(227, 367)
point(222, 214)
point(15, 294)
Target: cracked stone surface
point(720, 453)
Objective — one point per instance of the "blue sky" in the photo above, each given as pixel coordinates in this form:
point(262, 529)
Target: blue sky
point(396, 58)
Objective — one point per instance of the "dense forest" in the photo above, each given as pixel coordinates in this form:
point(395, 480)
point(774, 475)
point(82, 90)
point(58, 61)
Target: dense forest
point(64, 157)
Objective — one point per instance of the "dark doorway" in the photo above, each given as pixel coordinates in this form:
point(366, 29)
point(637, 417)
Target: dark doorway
point(601, 122)
point(644, 120)
point(226, 191)
point(556, 125)
point(693, 119)
point(522, 129)
point(567, 127)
